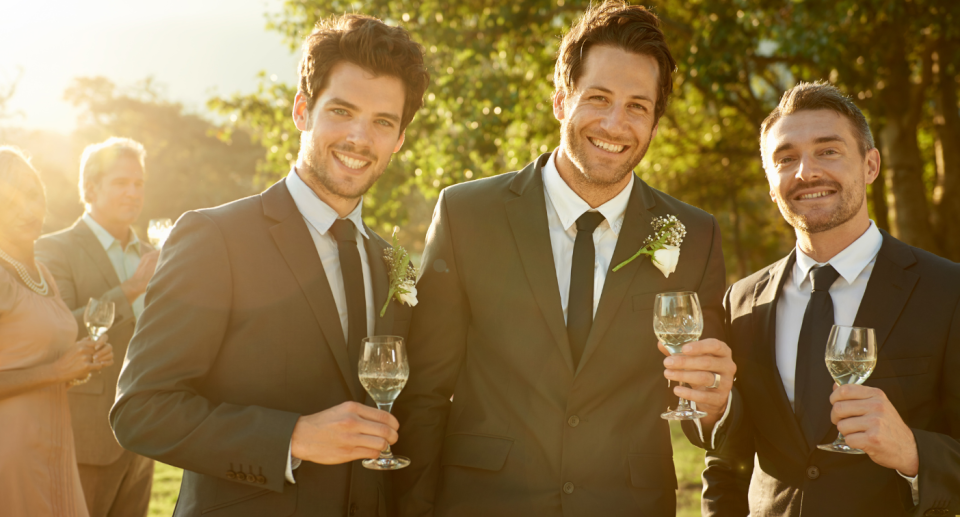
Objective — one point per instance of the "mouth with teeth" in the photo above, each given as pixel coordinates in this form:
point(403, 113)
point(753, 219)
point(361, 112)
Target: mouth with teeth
point(350, 163)
point(607, 146)
point(815, 195)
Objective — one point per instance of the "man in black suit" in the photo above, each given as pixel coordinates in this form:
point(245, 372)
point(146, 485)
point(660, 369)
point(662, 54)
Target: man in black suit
point(819, 156)
point(550, 354)
point(245, 359)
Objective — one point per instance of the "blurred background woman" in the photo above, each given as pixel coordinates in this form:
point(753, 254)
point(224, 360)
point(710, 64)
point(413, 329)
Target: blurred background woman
point(39, 358)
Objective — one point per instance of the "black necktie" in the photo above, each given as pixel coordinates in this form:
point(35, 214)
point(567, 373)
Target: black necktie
point(580, 303)
point(813, 381)
point(345, 233)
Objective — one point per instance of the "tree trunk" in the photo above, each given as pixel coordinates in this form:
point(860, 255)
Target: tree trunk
point(947, 144)
point(903, 101)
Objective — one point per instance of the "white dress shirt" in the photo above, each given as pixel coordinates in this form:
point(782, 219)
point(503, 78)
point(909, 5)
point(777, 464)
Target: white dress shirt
point(124, 260)
point(319, 217)
point(564, 207)
point(855, 264)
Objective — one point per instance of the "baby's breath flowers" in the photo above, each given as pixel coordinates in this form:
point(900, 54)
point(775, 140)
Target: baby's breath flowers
point(663, 246)
point(402, 275)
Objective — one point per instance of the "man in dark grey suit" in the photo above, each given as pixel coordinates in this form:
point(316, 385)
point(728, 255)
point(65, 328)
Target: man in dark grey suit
point(557, 379)
point(101, 256)
point(245, 360)
point(819, 156)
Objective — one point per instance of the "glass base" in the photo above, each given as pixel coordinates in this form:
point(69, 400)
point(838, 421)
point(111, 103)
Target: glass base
point(683, 414)
point(839, 447)
point(394, 463)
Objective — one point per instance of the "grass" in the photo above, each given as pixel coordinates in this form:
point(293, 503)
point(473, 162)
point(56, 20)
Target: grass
point(688, 459)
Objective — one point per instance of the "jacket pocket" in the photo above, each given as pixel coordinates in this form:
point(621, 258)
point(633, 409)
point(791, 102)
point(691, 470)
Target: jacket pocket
point(900, 367)
point(236, 499)
point(476, 451)
point(652, 471)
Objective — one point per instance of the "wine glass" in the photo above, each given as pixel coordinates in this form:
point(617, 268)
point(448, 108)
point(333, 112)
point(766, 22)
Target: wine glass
point(384, 372)
point(98, 317)
point(158, 230)
point(678, 320)
point(851, 357)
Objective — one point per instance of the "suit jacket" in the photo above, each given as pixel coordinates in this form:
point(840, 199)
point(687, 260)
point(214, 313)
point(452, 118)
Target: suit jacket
point(240, 336)
point(912, 300)
point(82, 270)
point(527, 433)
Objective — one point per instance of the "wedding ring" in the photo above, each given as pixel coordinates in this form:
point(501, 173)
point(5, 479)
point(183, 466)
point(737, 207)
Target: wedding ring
point(716, 381)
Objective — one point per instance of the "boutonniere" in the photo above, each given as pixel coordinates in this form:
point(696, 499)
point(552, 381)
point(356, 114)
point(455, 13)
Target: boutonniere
point(663, 246)
point(402, 275)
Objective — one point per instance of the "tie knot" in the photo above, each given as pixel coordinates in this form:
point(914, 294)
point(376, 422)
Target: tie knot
point(343, 230)
point(589, 221)
point(823, 277)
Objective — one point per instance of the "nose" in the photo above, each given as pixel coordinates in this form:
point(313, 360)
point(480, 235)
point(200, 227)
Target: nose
point(359, 133)
point(808, 170)
point(615, 121)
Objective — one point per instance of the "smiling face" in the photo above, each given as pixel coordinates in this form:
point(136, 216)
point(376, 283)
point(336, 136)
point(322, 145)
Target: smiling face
point(117, 199)
point(349, 136)
point(816, 172)
point(607, 122)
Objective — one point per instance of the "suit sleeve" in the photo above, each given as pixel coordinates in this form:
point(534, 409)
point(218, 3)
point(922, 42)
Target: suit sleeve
point(939, 474)
point(710, 294)
point(437, 343)
point(161, 411)
point(50, 252)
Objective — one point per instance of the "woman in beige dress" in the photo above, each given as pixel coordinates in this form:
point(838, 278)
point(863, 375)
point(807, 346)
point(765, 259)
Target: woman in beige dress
point(39, 358)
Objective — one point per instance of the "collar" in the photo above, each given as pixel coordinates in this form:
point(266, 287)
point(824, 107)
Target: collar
point(570, 206)
point(103, 236)
point(850, 262)
point(315, 211)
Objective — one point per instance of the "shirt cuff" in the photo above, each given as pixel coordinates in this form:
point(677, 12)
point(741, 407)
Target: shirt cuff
point(713, 435)
point(292, 464)
point(914, 487)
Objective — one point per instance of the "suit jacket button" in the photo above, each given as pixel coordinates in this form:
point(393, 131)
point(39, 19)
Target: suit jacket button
point(813, 472)
point(568, 488)
point(574, 421)
point(262, 480)
point(354, 508)
point(231, 474)
point(251, 478)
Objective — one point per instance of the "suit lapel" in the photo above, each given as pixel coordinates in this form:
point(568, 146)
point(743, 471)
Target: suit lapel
point(527, 214)
point(765, 299)
point(91, 245)
point(887, 293)
point(381, 283)
point(296, 245)
point(636, 227)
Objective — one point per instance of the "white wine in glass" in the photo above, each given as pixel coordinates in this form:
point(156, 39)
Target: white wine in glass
point(384, 371)
point(158, 230)
point(678, 320)
point(851, 356)
point(98, 317)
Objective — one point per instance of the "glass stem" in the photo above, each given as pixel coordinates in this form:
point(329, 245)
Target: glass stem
point(385, 454)
point(684, 405)
point(840, 440)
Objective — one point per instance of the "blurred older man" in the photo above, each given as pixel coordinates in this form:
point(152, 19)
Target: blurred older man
point(100, 256)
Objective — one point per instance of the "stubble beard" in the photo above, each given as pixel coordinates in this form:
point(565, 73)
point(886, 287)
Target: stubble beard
point(593, 180)
point(316, 169)
point(851, 201)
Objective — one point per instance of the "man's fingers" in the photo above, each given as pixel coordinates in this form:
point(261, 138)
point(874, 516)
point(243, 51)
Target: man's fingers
point(663, 349)
point(854, 425)
point(375, 415)
point(705, 399)
point(854, 392)
point(705, 363)
point(376, 430)
point(693, 378)
point(711, 346)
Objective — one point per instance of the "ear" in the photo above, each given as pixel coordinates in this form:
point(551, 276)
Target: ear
point(400, 141)
point(653, 133)
point(301, 115)
point(873, 166)
point(773, 196)
point(558, 98)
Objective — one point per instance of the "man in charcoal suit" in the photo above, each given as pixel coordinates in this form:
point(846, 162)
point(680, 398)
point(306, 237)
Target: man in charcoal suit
point(100, 256)
point(243, 370)
point(819, 156)
point(557, 379)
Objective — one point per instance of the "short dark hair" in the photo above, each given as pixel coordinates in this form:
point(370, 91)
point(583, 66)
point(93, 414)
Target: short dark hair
point(633, 28)
point(820, 95)
point(370, 44)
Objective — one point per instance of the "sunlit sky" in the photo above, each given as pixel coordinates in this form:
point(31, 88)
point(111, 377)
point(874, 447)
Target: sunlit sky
point(193, 48)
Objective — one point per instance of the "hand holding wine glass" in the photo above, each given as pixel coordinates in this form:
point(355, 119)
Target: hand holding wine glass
point(678, 320)
point(383, 373)
point(851, 356)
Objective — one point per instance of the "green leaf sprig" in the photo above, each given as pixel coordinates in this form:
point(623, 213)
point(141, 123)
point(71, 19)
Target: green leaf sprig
point(667, 231)
point(399, 270)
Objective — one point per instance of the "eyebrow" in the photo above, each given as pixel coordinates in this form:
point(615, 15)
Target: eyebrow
point(607, 90)
point(349, 105)
point(819, 140)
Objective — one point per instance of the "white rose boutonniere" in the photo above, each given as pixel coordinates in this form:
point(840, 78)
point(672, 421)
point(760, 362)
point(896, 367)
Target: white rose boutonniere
point(402, 275)
point(663, 247)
